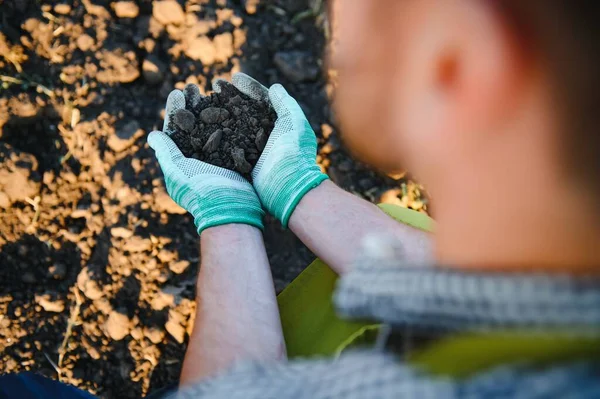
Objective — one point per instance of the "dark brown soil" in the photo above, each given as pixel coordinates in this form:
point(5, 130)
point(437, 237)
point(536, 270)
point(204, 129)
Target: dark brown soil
point(98, 264)
point(226, 129)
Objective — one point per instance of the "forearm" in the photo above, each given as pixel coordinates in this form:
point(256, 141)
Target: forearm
point(334, 225)
point(237, 317)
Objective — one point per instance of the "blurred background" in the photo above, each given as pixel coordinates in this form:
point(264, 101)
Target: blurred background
point(98, 265)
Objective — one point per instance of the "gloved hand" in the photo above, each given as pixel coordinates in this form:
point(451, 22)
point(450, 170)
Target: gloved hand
point(213, 195)
point(287, 168)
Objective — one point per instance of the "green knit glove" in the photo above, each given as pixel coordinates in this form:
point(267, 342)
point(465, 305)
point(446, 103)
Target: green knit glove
point(213, 195)
point(287, 168)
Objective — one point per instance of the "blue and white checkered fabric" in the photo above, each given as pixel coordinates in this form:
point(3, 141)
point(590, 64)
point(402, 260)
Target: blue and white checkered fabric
point(428, 298)
point(449, 299)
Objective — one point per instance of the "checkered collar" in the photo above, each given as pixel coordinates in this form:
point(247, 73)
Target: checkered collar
point(448, 299)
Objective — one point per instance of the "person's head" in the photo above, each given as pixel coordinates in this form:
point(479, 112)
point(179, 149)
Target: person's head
point(490, 103)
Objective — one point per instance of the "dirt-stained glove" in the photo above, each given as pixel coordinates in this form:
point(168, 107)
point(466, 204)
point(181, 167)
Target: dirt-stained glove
point(213, 195)
point(287, 168)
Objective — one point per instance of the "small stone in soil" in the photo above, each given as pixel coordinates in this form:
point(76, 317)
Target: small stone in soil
point(197, 144)
point(121, 232)
point(85, 42)
point(239, 159)
point(237, 100)
point(201, 49)
point(261, 139)
point(126, 9)
point(88, 286)
point(154, 334)
point(184, 120)
point(63, 9)
point(176, 330)
point(168, 12)
point(48, 304)
point(137, 244)
point(179, 267)
point(212, 144)
point(117, 326)
point(251, 6)
point(214, 115)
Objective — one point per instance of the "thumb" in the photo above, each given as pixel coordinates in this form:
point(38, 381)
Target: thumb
point(175, 102)
point(165, 149)
point(283, 103)
point(250, 86)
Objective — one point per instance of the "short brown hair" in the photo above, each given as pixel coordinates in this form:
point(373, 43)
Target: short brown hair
point(564, 35)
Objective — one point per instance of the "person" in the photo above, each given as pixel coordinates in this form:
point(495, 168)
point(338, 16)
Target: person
point(491, 104)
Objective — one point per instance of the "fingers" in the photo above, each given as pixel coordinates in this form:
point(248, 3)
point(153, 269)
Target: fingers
point(217, 84)
point(171, 160)
point(165, 149)
point(192, 95)
point(194, 168)
point(282, 102)
point(250, 86)
point(175, 101)
point(244, 83)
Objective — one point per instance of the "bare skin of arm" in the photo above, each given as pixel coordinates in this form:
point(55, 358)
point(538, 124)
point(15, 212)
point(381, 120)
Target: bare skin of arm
point(334, 224)
point(237, 317)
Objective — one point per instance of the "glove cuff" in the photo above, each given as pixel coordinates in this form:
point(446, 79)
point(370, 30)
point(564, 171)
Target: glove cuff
point(224, 206)
point(202, 223)
point(297, 190)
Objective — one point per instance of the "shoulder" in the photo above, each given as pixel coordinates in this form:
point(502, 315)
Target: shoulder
point(353, 375)
point(374, 374)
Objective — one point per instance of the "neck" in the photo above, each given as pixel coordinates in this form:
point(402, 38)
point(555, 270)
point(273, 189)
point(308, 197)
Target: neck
point(519, 213)
point(516, 209)
point(561, 240)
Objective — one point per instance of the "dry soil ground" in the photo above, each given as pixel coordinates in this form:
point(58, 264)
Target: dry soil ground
point(97, 264)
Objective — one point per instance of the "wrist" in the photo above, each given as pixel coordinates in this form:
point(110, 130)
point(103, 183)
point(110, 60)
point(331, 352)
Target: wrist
point(229, 214)
point(280, 196)
point(319, 196)
point(203, 225)
point(228, 233)
point(224, 206)
point(299, 189)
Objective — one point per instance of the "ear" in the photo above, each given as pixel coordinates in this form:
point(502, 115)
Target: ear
point(477, 69)
point(458, 70)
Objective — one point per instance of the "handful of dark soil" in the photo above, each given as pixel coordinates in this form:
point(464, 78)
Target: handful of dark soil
point(226, 129)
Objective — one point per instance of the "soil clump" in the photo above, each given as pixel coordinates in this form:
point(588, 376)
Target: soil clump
point(226, 129)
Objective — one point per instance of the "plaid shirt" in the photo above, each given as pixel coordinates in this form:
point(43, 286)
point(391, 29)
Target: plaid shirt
point(447, 302)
